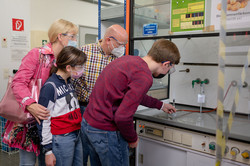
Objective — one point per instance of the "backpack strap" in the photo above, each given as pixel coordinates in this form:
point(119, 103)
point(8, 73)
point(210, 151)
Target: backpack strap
point(54, 85)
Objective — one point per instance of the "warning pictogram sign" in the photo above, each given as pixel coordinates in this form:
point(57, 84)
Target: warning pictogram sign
point(17, 24)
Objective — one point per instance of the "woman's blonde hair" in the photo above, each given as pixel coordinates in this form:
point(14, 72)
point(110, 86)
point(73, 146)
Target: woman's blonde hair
point(61, 26)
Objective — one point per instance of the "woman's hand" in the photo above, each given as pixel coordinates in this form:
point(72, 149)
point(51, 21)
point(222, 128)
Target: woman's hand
point(38, 111)
point(50, 160)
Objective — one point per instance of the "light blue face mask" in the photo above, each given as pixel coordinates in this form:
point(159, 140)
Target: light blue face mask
point(72, 43)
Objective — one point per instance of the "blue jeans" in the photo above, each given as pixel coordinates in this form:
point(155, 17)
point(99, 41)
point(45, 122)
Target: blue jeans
point(85, 148)
point(108, 148)
point(29, 158)
point(67, 149)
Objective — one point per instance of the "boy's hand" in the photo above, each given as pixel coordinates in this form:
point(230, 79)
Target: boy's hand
point(133, 144)
point(168, 108)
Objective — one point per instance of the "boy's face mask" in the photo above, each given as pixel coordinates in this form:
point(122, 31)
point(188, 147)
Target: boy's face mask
point(159, 76)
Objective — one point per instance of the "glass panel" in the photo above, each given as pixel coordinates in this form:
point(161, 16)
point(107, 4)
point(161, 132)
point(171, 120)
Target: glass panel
point(109, 3)
point(160, 86)
point(159, 14)
point(139, 3)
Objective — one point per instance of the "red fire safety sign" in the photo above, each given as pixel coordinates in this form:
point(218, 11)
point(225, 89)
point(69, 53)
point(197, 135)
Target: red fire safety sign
point(17, 24)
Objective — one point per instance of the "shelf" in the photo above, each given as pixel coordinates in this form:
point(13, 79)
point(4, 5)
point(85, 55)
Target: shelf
point(113, 13)
point(141, 20)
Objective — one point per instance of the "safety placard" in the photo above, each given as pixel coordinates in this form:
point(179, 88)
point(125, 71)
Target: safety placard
point(17, 24)
point(187, 15)
point(150, 29)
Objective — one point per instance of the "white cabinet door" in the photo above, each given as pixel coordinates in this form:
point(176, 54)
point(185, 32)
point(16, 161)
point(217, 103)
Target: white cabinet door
point(154, 153)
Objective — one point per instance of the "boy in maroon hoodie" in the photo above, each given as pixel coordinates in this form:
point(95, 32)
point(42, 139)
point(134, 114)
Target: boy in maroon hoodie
point(122, 86)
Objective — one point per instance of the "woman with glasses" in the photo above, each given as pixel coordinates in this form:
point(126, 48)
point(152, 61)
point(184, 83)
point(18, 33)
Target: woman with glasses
point(25, 137)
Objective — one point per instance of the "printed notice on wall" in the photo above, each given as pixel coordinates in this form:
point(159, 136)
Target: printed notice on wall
point(238, 14)
point(19, 45)
point(187, 15)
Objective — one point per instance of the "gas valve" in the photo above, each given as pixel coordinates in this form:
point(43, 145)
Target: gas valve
point(245, 154)
point(234, 151)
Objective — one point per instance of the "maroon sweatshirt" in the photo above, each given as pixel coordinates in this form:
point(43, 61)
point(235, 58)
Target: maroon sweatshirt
point(118, 91)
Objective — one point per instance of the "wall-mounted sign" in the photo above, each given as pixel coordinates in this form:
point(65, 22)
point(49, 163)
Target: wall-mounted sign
point(150, 29)
point(44, 42)
point(238, 14)
point(19, 45)
point(17, 24)
point(187, 15)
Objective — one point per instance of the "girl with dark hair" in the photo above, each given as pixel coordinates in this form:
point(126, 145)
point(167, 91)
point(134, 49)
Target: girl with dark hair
point(60, 134)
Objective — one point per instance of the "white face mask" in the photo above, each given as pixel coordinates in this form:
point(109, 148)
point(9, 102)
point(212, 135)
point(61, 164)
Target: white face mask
point(118, 52)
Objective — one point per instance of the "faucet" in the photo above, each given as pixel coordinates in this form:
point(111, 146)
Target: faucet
point(198, 80)
point(206, 81)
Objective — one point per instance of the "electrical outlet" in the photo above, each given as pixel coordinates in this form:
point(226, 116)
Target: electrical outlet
point(4, 42)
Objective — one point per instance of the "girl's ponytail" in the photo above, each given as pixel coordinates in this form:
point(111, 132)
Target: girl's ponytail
point(54, 68)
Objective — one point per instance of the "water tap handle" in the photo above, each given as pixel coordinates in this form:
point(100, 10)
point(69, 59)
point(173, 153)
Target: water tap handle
point(198, 80)
point(206, 81)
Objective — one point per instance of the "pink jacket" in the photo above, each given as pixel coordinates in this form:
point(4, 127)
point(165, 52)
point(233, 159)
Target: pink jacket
point(27, 71)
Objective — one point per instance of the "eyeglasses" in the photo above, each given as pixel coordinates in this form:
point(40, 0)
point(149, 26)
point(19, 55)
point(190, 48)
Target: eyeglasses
point(112, 37)
point(170, 63)
point(172, 69)
point(78, 67)
point(72, 37)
